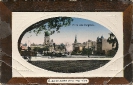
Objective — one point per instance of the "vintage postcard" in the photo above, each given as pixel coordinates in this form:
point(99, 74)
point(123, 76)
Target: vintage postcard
point(67, 45)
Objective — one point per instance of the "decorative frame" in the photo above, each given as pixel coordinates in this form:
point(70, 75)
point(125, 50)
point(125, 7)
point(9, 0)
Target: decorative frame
point(6, 9)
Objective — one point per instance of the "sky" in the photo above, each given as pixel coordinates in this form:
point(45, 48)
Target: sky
point(67, 34)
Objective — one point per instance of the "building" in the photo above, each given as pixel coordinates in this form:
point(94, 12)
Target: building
point(33, 45)
point(24, 46)
point(50, 45)
point(103, 46)
point(78, 47)
point(98, 47)
point(60, 48)
point(47, 38)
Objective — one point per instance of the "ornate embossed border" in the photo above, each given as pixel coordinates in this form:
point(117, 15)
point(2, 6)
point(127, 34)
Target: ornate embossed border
point(6, 9)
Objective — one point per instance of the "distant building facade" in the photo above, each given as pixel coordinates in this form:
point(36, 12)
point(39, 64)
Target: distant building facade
point(49, 44)
point(77, 47)
point(103, 46)
point(24, 46)
point(100, 46)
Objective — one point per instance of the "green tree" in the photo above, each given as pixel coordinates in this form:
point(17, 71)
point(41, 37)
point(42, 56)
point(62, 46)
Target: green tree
point(45, 49)
point(113, 40)
point(84, 51)
point(40, 50)
point(36, 49)
point(89, 51)
point(73, 53)
point(52, 25)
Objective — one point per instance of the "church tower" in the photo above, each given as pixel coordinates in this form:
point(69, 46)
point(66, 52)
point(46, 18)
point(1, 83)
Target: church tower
point(75, 39)
point(75, 43)
point(47, 38)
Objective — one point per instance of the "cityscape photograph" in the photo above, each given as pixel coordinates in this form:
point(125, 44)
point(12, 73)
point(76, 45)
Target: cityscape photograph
point(67, 45)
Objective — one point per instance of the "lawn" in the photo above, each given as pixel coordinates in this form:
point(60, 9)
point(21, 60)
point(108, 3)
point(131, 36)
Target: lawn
point(70, 66)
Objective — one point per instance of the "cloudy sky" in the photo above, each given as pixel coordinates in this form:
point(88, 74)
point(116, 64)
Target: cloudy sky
point(67, 34)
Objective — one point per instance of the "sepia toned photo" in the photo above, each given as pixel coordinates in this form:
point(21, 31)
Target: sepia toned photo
point(67, 44)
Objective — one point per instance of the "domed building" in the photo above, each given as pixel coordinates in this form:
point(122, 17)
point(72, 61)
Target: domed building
point(47, 38)
point(50, 45)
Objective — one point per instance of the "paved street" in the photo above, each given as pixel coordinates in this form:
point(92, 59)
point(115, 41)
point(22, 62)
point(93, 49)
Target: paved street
point(73, 57)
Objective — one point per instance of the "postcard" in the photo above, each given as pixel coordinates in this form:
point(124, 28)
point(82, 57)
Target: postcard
point(41, 46)
point(67, 45)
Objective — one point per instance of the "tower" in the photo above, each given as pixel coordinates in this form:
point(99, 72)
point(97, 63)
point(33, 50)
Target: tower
point(75, 39)
point(99, 45)
point(75, 42)
point(47, 38)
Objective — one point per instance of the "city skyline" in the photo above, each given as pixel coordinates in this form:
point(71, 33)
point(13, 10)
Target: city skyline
point(67, 34)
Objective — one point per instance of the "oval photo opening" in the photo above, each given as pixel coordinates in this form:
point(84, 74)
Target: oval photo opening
point(67, 45)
